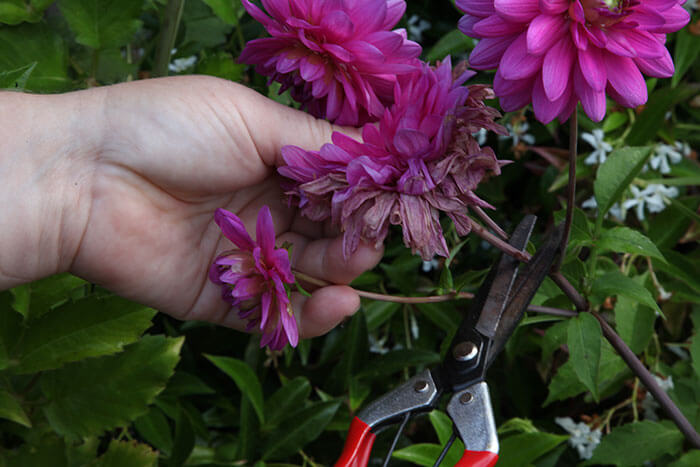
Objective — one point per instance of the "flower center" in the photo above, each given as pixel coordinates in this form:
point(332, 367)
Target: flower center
point(605, 13)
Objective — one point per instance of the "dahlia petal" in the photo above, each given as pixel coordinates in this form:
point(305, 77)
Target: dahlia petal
point(338, 52)
point(278, 10)
point(592, 67)
point(661, 67)
point(394, 11)
point(519, 11)
point(505, 87)
point(310, 69)
point(619, 45)
point(488, 52)
point(625, 78)
point(517, 63)
point(411, 143)
point(554, 7)
point(556, 68)
point(545, 109)
point(495, 26)
point(675, 19)
point(466, 25)
point(233, 229)
point(544, 31)
point(256, 13)
point(265, 231)
point(481, 8)
point(645, 17)
point(592, 100)
point(364, 52)
point(339, 24)
point(514, 102)
point(644, 44)
point(579, 36)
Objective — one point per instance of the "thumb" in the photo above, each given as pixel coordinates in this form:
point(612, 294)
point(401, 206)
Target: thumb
point(272, 125)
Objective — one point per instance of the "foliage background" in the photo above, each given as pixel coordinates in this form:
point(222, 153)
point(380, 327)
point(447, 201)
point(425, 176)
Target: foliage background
point(90, 379)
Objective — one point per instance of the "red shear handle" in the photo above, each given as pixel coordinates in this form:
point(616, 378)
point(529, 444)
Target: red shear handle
point(478, 459)
point(357, 446)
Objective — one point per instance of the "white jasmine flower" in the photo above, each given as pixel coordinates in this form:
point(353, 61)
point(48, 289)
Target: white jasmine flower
point(415, 330)
point(518, 132)
point(654, 198)
point(583, 439)
point(415, 27)
point(665, 155)
point(378, 345)
point(181, 64)
point(601, 149)
point(614, 211)
point(428, 266)
point(481, 136)
point(649, 404)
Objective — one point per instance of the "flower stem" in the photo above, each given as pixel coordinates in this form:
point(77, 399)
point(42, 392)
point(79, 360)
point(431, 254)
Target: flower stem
point(571, 190)
point(490, 222)
point(502, 245)
point(168, 34)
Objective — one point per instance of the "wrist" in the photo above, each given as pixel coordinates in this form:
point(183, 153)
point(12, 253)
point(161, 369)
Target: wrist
point(45, 178)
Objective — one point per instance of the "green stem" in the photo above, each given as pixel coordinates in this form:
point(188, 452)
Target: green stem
point(168, 35)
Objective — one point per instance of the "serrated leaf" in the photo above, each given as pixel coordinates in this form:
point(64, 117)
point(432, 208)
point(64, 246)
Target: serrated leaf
point(626, 240)
point(246, 380)
point(584, 339)
point(635, 443)
point(615, 283)
point(304, 428)
point(689, 459)
point(129, 381)
point(123, 453)
point(48, 451)
point(10, 409)
point(102, 24)
point(154, 428)
point(87, 328)
point(16, 79)
point(286, 399)
point(423, 454)
point(48, 293)
point(34, 43)
point(18, 11)
point(525, 448)
point(615, 175)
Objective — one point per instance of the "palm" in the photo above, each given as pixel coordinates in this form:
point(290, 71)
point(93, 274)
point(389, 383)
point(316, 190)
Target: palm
point(197, 144)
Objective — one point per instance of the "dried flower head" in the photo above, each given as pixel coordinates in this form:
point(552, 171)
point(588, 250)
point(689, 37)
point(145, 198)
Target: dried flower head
point(555, 53)
point(421, 159)
point(339, 59)
point(253, 279)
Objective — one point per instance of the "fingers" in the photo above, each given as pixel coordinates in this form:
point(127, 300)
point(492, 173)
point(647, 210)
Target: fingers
point(325, 309)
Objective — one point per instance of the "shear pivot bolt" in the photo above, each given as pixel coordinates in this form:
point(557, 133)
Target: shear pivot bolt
point(465, 351)
point(466, 398)
point(421, 386)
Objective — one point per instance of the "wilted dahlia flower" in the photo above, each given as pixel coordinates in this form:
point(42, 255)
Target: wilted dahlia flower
point(253, 279)
point(555, 53)
point(420, 160)
point(338, 58)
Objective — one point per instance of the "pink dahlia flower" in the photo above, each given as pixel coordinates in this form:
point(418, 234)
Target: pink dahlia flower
point(338, 58)
point(555, 53)
point(421, 159)
point(253, 279)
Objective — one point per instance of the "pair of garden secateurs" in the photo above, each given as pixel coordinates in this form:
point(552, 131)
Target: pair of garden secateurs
point(493, 315)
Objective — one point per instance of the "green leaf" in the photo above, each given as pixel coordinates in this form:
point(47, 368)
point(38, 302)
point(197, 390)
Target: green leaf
point(442, 424)
point(129, 381)
point(10, 409)
point(647, 124)
point(615, 175)
point(123, 453)
point(18, 11)
point(16, 79)
point(626, 240)
point(634, 323)
point(102, 24)
point(379, 312)
point(523, 449)
point(695, 353)
point(614, 121)
point(27, 44)
point(295, 433)
point(686, 50)
point(681, 268)
point(221, 65)
point(584, 340)
point(668, 226)
point(354, 354)
point(443, 315)
point(689, 459)
point(616, 283)
point(246, 380)
point(49, 450)
point(397, 360)
point(636, 443)
point(452, 43)
point(229, 11)
point(47, 294)
point(420, 454)
point(87, 328)
point(184, 439)
point(285, 400)
point(154, 428)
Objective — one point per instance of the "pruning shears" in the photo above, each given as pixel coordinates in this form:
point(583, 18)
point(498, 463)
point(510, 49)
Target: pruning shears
point(494, 314)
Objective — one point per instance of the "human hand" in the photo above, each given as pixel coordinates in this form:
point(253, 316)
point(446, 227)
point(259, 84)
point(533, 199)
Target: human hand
point(152, 162)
